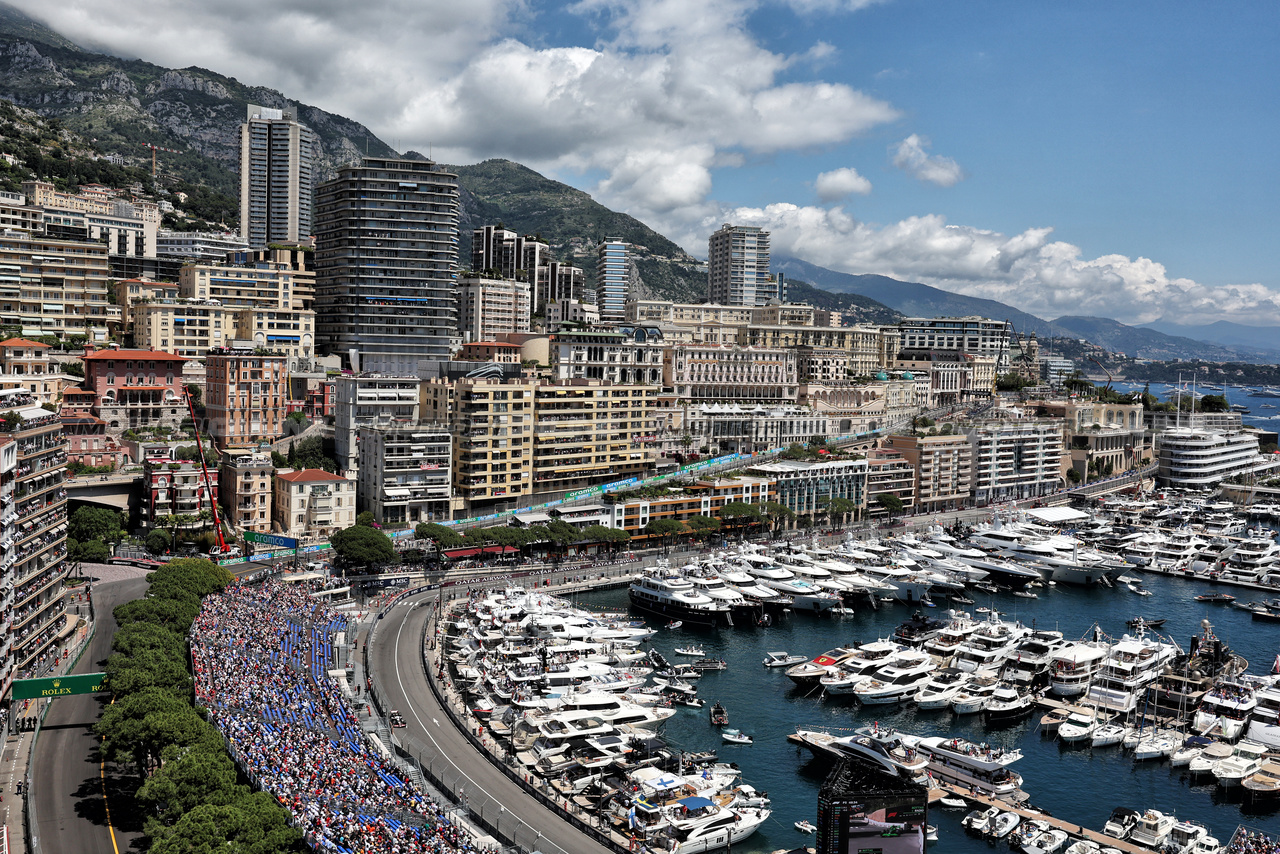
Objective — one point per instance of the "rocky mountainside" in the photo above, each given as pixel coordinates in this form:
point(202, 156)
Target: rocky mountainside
point(122, 105)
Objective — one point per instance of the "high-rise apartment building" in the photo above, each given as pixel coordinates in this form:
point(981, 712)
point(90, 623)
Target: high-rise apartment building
point(56, 287)
point(276, 161)
point(738, 266)
point(386, 264)
point(488, 308)
point(613, 275)
point(507, 254)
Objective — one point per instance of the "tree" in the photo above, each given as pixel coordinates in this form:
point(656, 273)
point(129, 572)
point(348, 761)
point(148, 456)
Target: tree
point(138, 637)
point(777, 512)
point(146, 669)
point(703, 526)
point(158, 541)
point(93, 551)
point(444, 538)
point(739, 514)
point(253, 824)
point(366, 519)
point(96, 523)
point(890, 502)
point(664, 529)
point(1073, 475)
point(297, 416)
point(194, 776)
point(162, 612)
point(361, 545)
point(838, 508)
point(139, 726)
point(601, 534)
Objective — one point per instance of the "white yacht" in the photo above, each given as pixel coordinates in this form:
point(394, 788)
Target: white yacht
point(741, 581)
point(865, 659)
point(804, 594)
point(897, 681)
point(1152, 829)
point(673, 597)
point(1133, 663)
point(1072, 668)
point(808, 673)
point(1245, 759)
point(942, 687)
point(948, 641)
point(1227, 707)
point(1264, 726)
point(696, 824)
point(879, 746)
point(710, 584)
point(989, 646)
point(1029, 662)
point(973, 698)
point(965, 763)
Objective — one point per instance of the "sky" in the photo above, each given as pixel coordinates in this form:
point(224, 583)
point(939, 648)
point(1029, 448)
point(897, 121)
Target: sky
point(1086, 158)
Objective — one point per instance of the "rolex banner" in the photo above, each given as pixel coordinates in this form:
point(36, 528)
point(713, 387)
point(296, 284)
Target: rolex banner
point(59, 686)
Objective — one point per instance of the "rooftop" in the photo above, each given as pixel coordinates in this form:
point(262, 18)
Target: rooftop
point(153, 355)
point(310, 476)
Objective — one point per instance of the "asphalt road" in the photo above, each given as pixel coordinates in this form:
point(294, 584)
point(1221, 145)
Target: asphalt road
point(68, 782)
point(396, 657)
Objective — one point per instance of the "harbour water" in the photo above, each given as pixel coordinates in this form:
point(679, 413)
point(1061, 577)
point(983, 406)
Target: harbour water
point(1080, 785)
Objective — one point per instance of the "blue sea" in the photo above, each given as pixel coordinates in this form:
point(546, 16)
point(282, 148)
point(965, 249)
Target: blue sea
point(1080, 785)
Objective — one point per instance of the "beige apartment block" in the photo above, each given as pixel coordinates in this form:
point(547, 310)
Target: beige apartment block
point(943, 468)
point(313, 504)
point(889, 472)
point(729, 374)
point(492, 425)
point(586, 433)
point(245, 393)
point(56, 287)
point(244, 484)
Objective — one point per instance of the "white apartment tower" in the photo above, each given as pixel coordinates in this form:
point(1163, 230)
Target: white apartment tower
point(276, 160)
point(613, 275)
point(738, 267)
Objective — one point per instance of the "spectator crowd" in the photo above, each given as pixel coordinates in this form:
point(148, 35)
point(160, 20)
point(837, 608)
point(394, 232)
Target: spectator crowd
point(261, 655)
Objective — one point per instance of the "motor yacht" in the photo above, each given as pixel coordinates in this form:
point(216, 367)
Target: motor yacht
point(1133, 663)
point(1226, 708)
point(966, 763)
point(1078, 726)
point(1190, 837)
point(973, 698)
point(743, 582)
point(808, 673)
point(1029, 662)
point(942, 687)
point(989, 646)
point(1152, 829)
point(876, 745)
point(950, 638)
point(804, 594)
point(1072, 668)
point(856, 668)
point(897, 681)
point(1245, 759)
point(1006, 704)
point(1264, 725)
point(673, 597)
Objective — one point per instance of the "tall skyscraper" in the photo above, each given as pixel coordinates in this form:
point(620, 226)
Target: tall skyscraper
point(387, 264)
point(276, 159)
point(613, 274)
point(738, 267)
point(507, 253)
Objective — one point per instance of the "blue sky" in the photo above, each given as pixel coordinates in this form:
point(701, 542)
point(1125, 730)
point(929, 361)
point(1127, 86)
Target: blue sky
point(1113, 159)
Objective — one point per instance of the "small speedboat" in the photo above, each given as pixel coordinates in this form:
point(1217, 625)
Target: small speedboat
point(719, 717)
point(1108, 735)
point(805, 827)
point(953, 803)
point(695, 651)
point(930, 833)
point(1023, 594)
point(782, 658)
point(688, 701)
point(1141, 591)
point(1215, 597)
point(1001, 825)
point(675, 624)
point(1140, 621)
point(734, 736)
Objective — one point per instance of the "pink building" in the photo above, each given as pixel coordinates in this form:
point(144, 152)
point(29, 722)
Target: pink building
point(136, 388)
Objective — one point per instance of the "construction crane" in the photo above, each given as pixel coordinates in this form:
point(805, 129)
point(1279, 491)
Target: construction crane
point(154, 149)
point(204, 467)
point(1104, 370)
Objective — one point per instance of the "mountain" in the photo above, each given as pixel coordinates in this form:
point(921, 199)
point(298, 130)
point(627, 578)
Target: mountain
point(1147, 343)
point(1224, 332)
point(912, 298)
point(123, 104)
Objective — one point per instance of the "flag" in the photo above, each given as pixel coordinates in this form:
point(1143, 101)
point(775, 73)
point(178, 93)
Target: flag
point(631, 818)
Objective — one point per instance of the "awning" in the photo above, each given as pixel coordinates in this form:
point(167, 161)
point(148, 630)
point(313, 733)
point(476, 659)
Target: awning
point(531, 518)
point(1055, 515)
point(695, 803)
point(457, 553)
point(397, 493)
point(500, 550)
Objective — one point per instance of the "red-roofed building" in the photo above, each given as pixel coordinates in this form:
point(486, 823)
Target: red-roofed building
point(313, 503)
point(136, 388)
point(26, 372)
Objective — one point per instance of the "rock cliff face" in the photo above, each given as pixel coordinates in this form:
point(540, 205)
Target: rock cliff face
point(123, 104)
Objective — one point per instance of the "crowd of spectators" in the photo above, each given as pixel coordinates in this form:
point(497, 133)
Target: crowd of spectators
point(261, 656)
point(1248, 841)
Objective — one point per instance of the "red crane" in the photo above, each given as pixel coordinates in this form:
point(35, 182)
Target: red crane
point(213, 505)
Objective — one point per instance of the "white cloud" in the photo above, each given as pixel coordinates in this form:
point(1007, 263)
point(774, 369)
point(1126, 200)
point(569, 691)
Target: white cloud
point(911, 156)
point(839, 183)
point(1046, 278)
point(668, 90)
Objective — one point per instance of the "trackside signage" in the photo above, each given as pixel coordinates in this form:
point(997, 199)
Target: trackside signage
point(59, 686)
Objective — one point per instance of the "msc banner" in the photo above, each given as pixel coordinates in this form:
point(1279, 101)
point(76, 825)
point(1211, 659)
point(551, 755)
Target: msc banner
point(273, 540)
point(59, 686)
